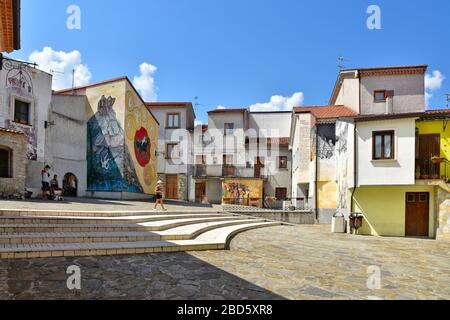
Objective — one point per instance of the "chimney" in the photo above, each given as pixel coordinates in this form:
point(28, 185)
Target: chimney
point(389, 102)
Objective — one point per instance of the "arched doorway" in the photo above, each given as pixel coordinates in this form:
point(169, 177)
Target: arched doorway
point(70, 185)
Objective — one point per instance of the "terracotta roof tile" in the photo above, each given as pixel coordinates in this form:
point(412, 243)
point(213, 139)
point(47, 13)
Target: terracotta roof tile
point(327, 112)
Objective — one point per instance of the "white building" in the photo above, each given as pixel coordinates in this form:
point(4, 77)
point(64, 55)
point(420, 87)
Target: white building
point(175, 157)
point(242, 157)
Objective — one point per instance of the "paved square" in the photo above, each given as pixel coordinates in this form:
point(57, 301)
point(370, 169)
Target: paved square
point(301, 262)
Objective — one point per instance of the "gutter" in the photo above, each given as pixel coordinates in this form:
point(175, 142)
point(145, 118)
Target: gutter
point(17, 26)
point(316, 176)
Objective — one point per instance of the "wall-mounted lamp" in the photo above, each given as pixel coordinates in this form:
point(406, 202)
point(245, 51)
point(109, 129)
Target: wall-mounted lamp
point(48, 124)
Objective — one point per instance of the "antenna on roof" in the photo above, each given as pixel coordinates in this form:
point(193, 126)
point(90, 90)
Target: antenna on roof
point(341, 62)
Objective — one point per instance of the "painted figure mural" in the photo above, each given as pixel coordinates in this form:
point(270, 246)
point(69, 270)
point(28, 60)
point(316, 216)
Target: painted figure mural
point(106, 152)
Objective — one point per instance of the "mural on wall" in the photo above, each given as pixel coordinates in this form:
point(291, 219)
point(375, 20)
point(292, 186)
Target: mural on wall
point(342, 132)
point(326, 152)
point(247, 192)
point(19, 83)
point(108, 161)
point(141, 138)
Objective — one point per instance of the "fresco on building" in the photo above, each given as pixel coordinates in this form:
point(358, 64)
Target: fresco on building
point(109, 164)
point(19, 83)
point(141, 138)
point(342, 135)
point(326, 142)
point(247, 192)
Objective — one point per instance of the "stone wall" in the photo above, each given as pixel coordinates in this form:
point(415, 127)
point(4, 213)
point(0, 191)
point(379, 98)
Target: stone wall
point(443, 216)
point(182, 187)
point(17, 143)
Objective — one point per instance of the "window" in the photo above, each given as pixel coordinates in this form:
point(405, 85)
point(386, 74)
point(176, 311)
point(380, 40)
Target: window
point(21, 112)
point(173, 121)
point(379, 95)
point(281, 194)
point(383, 145)
point(5, 163)
point(229, 128)
point(171, 151)
point(282, 162)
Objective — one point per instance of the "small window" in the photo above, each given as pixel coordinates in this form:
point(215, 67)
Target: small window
point(171, 151)
point(22, 112)
point(423, 197)
point(229, 128)
point(383, 145)
point(379, 95)
point(5, 163)
point(173, 121)
point(281, 194)
point(282, 162)
point(411, 197)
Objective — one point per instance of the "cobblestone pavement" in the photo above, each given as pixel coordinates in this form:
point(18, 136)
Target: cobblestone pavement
point(302, 262)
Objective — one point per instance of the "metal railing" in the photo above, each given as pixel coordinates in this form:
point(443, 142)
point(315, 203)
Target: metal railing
point(436, 168)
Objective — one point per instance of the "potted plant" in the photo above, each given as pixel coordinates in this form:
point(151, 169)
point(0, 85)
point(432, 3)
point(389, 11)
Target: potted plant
point(437, 159)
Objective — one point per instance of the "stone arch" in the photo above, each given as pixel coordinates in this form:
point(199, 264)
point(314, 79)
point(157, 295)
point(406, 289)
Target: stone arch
point(70, 185)
point(6, 161)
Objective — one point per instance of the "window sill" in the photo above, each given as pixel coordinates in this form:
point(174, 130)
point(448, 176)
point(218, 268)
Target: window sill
point(384, 160)
point(22, 124)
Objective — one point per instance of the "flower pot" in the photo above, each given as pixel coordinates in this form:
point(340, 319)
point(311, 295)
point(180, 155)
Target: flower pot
point(425, 177)
point(437, 160)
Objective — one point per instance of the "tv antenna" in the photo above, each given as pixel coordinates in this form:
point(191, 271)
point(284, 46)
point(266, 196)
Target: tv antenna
point(341, 62)
point(447, 98)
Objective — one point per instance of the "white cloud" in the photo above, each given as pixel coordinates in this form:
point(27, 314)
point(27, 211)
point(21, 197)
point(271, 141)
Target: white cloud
point(145, 83)
point(220, 108)
point(279, 103)
point(61, 64)
point(433, 82)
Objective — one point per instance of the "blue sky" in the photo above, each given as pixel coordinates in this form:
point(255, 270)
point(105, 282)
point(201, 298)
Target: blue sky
point(236, 53)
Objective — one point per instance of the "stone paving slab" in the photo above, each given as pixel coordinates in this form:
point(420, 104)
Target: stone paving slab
point(301, 262)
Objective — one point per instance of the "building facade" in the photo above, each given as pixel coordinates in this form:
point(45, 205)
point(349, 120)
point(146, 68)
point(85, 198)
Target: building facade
point(175, 157)
point(242, 158)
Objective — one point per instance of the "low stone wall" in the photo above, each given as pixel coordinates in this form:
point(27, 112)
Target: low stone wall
point(443, 231)
point(294, 217)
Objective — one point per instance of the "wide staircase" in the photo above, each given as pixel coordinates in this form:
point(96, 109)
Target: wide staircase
point(34, 233)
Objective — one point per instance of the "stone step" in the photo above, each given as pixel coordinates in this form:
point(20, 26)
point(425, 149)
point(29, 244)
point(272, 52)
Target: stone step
point(178, 233)
point(206, 241)
point(122, 213)
point(115, 227)
point(13, 220)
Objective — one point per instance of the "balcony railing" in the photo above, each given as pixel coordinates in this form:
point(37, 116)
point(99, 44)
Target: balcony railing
point(433, 169)
point(229, 171)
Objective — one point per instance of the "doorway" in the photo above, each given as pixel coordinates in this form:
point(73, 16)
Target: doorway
point(417, 214)
point(200, 192)
point(429, 146)
point(259, 165)
point(172, 187)
point(70, 185)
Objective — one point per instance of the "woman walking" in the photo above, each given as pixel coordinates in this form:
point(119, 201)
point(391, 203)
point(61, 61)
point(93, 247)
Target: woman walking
point(159, 195)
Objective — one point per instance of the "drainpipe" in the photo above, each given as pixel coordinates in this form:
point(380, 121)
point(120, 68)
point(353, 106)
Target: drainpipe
point(355, 174)
point(316, 177)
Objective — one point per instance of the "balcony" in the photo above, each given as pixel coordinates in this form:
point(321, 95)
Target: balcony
point(228, 171)
point(436, 168)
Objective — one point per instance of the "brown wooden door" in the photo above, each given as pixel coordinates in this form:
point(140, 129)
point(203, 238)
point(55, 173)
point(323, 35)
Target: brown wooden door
point(172, 187)
point(429, 146)
point(417, 214)
point(259, 164)
point(200, 191)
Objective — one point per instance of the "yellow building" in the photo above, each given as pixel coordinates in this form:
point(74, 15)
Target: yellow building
point(402, 190)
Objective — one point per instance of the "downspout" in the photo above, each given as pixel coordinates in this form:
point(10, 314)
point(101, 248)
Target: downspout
point(316, 177)
point(355, 154)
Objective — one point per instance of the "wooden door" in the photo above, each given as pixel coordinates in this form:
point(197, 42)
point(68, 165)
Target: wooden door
point(172, 187)
point(429, 146)
point(417, 214)
point(259, 164)
point(200, 191)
